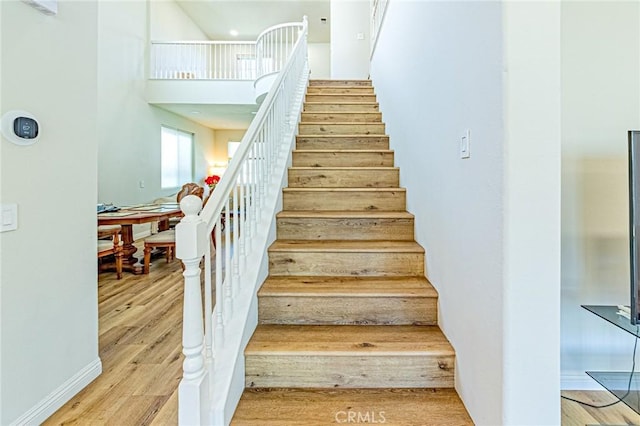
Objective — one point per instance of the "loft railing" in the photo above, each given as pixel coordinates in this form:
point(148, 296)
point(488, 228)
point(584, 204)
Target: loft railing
point(274, 46)
point(236, 218)
point(203, 60)
point(223, 60)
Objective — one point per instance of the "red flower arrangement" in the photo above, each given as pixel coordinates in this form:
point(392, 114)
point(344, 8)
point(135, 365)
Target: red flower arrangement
point(212, 181)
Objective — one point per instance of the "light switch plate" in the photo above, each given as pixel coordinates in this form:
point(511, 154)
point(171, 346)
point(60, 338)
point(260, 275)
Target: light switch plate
point(465, 142)
point(8, 217)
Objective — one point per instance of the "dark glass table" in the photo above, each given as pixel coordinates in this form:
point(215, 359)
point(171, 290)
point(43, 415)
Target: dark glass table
point(619, 383)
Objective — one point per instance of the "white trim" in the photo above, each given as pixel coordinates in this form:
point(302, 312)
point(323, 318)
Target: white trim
point(56, 399)
point(578, 381)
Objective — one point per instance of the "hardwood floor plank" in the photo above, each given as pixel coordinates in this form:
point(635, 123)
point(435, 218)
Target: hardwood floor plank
point(574, 414)
point(140, 332)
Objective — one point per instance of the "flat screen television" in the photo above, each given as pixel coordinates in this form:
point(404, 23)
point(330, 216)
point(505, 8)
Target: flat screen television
point(634, 223)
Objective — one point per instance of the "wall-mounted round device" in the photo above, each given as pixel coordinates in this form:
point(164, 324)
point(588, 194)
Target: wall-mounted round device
point(20, 127)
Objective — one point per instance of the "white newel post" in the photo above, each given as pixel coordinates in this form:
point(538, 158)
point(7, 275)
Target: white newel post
point(191, 244)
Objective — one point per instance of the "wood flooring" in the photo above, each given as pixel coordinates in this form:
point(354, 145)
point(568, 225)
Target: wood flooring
point(140, 330)
point(140, 327)
point(574, 414)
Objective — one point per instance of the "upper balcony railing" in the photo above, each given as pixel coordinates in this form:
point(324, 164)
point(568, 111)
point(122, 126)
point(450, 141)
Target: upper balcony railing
point(224, 60)
point(203, 60)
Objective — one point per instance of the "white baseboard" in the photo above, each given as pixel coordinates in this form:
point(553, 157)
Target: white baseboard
point(578, 381)
point(56, 399)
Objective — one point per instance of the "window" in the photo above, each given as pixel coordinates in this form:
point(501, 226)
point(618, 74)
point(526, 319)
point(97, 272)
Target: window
point(176, 157)
point(232, 147)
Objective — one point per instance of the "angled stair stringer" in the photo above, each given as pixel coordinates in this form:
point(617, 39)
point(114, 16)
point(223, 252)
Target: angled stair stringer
point(347, 321)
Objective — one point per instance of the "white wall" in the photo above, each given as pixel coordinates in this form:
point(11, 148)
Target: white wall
point(129, 128)
point(168, 22)
point(319, 60)
point(439, 70)
point(531, 215)
point(48, 310)
point(600, 86)
point(349, 54)
point(222, 139)
point(458, 203)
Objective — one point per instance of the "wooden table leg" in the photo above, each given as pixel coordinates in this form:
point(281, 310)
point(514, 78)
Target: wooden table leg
point(129, 261)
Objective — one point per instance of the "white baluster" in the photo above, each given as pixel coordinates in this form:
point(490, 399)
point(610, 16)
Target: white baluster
point(236, 242)
point(242, 218)
point(228, 287)
point(218, 339)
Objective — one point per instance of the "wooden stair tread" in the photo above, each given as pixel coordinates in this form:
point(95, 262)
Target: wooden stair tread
point(343, 113)
point(339, 151)
point(340, 123)
point(344, 214)
point(348, 136)
point(342, 190)
point(341, 86)
point(359, 246)
point(349, 340)
point(347, 286)
point(345, 168)
point(343, 103)
point(337, 80)
point(287, 406)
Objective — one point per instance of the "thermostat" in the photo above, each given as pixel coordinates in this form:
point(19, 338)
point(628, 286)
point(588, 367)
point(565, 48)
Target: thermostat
point(20, 127)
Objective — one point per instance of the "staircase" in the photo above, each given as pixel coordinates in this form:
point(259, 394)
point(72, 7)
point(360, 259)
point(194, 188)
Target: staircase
point(347, 327)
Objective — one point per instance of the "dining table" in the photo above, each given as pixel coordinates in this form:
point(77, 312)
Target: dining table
point(137, 215)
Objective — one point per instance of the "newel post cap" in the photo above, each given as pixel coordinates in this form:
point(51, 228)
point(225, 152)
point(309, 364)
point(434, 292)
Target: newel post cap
point(191, 235)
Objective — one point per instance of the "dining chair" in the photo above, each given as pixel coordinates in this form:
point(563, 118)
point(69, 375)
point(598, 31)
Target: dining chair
point(111, 247)
point(187, 189)
point(167, 239)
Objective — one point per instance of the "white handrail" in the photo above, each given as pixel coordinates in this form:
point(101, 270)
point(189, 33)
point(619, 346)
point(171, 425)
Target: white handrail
point(273, 47)
point(233, 216)
point(378, 9)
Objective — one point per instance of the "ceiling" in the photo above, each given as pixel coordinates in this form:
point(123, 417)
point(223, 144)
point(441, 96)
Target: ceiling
point(216, 18)
point(250, 17)
point(215, 116)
